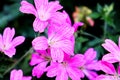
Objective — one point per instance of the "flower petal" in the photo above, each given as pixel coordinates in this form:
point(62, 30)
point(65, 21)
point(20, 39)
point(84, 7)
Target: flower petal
point(58, 18)
point(110, 46)
point(36, 59)
point(27, 78)
point(57, 54)
point(8, 35)
point(54, 6)
point(76, 25)
point(90, 54)
point(16, 75)
point(39, 69)
point(64, 45)
point(103, 77)
point(90, 74)
point(65, 32)
point(68, 20)
point(10, 52)
point(39, 25)
point(40, 43)
point(39, 3)
point(18, 40)
point(52, 70)
point(111, 58)
point(119, 42)
point(26, 7)
point(1, 42)
point(107, 67)
point(74, 73)
point(119, 69)
point(93, 65)
point(62, 75)
point(77, 60)
point(67, 47)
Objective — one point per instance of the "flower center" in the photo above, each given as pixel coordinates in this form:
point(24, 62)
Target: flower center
point(43, 14)
point(42, 17)
point(82, 68)
point(116, 77)
point(51, 43)
point(64, 64)
point(48, 58)
point(4, 47)
point(113, 76)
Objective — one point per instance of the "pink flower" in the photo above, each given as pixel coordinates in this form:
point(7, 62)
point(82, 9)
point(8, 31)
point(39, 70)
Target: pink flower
point(90, 64)
point(40, 61)
point(69, 68)
point(44, 12)
point(114, 55)
point(110, 71)
point(18, 75)
point(60, 40)
point(8, 44)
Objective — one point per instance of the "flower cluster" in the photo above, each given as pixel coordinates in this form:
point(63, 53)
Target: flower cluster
point(54, 53)
point(57, 48)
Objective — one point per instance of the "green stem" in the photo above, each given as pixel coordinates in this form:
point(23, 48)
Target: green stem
point(29, 51)
point(88, 34)
point(38, 34)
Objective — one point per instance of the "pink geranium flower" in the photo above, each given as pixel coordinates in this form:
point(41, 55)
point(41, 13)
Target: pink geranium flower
point(90, 65)
point(18, 75)
point(8, 44)
point(69, 68)
point(110, 71)
point(114, 55)
point(44, 12)
point(60, 40)
point(39, 60)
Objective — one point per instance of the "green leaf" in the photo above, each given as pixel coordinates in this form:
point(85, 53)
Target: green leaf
point(78, 43)
point(99, 8)
point(100, 51)
point(110, 22)
point(108, 9)
point(95, 15)
point(94, 42)
point(77, 47)
point(111, 7)
point(81, 39)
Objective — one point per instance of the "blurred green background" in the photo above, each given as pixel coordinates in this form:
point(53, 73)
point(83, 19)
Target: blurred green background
point(105, 14)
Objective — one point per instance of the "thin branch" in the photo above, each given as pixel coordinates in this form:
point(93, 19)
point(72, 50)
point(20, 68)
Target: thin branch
point(88, 34)
point(29, 51)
